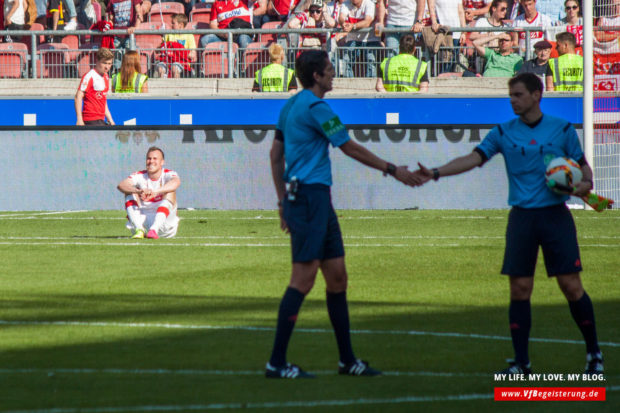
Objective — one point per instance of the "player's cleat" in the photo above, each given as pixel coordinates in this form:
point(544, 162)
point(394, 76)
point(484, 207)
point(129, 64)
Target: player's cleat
point(290, 371)
point(357, 368)
point(594, 363)
point(139, 234)
point(516, 368)
point(152, 234)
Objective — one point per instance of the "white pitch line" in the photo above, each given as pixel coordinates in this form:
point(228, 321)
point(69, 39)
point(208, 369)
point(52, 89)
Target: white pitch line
point(261, 405)
point(301, 330)
point(259, 245)
point(35, 214)
point(195, 372)
point(274, 405)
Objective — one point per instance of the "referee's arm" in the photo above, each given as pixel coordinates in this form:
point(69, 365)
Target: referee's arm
point(276, 156)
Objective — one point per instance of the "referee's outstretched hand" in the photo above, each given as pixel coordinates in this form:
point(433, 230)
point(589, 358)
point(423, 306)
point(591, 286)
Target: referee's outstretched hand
point(406, 177)
point(424, 174)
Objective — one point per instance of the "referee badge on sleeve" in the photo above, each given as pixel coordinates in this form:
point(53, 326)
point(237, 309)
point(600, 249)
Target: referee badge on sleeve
point(332, 126)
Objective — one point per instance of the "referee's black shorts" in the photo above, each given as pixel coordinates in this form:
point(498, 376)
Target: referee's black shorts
point(313, 224)
point(553, 229)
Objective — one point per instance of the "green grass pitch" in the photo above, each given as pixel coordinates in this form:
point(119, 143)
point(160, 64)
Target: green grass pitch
point(93, 322)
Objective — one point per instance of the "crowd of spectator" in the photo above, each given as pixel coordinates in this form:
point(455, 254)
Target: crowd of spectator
point(361, 39)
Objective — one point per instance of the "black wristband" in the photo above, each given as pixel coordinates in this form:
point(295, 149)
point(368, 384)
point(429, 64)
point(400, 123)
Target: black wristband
point(435, 174)
point(390, 169)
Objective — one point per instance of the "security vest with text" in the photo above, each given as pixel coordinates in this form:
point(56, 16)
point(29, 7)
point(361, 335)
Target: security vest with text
point(402, 73)
point(135, 85)
point(567, 73)
point(274, 78)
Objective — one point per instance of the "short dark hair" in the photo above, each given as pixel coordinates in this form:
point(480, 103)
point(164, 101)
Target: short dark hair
point(309, 63)
point(566, 37)
point(407, 44)
point(531, 82)
point(153, 149)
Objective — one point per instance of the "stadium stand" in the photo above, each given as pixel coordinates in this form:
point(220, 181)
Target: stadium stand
point(13, 57)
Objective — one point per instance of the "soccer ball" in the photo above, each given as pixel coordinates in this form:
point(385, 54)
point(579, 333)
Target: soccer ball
point(562, 174)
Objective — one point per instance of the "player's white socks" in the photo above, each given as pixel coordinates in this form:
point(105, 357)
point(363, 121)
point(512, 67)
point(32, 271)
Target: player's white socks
point(133, 212)
point(160, 217)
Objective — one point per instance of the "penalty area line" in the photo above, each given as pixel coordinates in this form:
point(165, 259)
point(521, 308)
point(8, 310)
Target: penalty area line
point(299, 330)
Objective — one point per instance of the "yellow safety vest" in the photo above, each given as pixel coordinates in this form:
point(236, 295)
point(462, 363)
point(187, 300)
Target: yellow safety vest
point(567, 73)
point(137, 81)
point(402, 73)
point(274, 78)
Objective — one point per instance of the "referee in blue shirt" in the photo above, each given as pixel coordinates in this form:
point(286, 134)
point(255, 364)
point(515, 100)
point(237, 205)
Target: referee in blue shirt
point(300, 157)
point(539, 217)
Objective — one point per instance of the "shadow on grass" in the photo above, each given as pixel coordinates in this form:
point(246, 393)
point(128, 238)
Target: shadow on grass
point(217, 346)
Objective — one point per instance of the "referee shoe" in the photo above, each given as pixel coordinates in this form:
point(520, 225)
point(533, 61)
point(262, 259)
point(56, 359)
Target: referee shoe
point(289, 371)
point(357, 368)
point(594, 363)
point(516, 368)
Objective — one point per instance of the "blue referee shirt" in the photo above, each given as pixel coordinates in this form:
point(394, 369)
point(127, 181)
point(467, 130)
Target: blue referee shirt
point(527, 150)
point(308, 125)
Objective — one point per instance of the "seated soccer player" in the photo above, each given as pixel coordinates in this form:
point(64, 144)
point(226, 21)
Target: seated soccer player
point(150, 198)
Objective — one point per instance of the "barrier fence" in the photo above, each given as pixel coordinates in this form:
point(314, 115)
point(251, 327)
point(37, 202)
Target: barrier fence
point(62, 54)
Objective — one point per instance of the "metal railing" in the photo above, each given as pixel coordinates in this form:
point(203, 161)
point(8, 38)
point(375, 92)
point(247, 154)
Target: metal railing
point(71, 58)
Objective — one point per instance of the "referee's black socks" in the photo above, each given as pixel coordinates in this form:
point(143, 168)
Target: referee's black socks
point(287, 316)
point(338, 311)
point(583, 314)
point(520, 318)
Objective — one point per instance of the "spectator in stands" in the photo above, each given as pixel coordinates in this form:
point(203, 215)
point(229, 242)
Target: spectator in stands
point(552, 8)
point(258, 9)
point(70, 16)
point(495, 18)
point(565, 72)
point(275, 77)
point(362, 46)
point(130, 78)
point(315, 17)
point(474, 9)
point(233, 14)
point(93, 91)
point(399, 14)
point(403, 73)
point(448, 13)
point(280, 10)
point(609, 17)
point(145, 10)
point(539, 65)
point(86, 13)
point(178, 51)
point(14, 15)
point(503, 63)
point(124, 14)
point(189, 5)
point(530, 18)
point(333, 10)
point(573, 20)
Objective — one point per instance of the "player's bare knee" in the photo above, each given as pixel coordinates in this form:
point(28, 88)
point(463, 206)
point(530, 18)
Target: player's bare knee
point(521, 288)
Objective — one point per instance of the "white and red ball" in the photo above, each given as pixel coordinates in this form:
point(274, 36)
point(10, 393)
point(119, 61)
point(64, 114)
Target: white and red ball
point(562, 175)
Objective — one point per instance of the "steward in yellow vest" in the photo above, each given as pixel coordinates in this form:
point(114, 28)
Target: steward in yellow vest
point(135, 84)
point(565, 73)
point(274, 77)
point(403, 73)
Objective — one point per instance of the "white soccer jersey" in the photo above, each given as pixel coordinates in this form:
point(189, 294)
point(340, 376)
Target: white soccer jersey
point(540, 20)
point(141, 180)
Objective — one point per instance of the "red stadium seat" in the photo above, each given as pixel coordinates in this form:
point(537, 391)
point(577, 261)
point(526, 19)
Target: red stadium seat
point(201, 13)
point(73, 43)
point(86, 58)
point(215, 59)
point(53, 60)
point(269, 37)
point(149, 41)
point(13, 57)
point(165, 11)
point(255, 57)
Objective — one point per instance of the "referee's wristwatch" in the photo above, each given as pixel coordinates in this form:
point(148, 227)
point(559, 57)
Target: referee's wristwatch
point(390, 169)
point(435, 174)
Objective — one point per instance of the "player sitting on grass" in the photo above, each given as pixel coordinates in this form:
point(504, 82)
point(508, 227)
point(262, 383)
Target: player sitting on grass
point(150, 198)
